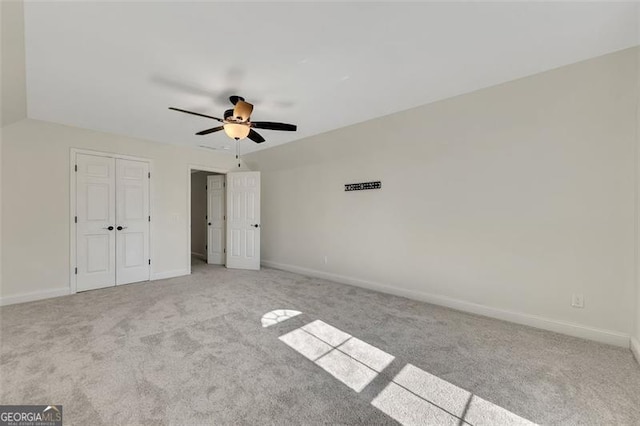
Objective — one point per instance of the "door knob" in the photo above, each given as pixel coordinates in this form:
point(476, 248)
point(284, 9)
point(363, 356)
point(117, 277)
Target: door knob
point(209, 223)
point(109, 228)
point(255, 226)
point(120, 228)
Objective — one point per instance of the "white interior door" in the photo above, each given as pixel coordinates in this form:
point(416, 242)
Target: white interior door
point(243, 220)
point(95, 216)
point(215, 220)
point(132, 221)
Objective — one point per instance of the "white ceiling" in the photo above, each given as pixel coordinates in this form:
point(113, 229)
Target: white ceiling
point(116, 67)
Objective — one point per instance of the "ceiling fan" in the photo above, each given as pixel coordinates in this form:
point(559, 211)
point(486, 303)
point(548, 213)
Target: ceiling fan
point(237, 122)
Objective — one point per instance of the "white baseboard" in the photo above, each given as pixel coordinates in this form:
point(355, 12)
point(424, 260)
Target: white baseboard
point(169, 274)
point(36, 295)
point(635, 348)
point(563, 327)
point(64, 291)
point(199, 255)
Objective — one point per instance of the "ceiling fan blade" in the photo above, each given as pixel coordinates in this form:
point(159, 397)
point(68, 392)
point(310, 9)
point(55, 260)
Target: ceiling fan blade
point(255, 136)
point(212, 130)
point(235, 98)
point(270, 125)
point(196, 113)
point(242, 110)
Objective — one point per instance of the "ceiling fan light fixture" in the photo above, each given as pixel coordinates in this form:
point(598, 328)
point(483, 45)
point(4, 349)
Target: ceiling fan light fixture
point(237, 122)
point(237, 131)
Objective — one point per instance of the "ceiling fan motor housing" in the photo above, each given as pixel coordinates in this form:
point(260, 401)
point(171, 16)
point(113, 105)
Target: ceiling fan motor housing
point(230, 118)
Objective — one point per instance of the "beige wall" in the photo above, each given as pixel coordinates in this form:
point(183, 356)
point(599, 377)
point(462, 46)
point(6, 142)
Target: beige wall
point(199, 213)
point(505, 201)
point(35, 190)
point(636, 343)
point(1, 208)
point(14, 102)
point(13, 99)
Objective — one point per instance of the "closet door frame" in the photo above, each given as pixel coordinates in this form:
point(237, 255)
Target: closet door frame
point(73, 278)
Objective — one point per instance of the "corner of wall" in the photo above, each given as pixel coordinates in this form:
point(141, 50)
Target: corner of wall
point(635, 348)
point(13, 75)
point(635, 340)
point(1, 168)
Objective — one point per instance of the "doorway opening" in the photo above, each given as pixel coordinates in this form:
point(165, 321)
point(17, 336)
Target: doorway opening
point(208, 216)
point(231, 221)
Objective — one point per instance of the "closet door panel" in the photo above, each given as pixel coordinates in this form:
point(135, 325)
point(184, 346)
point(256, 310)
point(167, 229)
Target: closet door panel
point(132, 221)
point(95, 219)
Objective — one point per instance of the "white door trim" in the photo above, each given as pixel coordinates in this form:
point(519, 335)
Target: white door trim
point(191, 167)
point(73, 282)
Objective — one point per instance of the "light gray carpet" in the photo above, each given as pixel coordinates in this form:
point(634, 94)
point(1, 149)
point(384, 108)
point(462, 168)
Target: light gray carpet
point(192, 350)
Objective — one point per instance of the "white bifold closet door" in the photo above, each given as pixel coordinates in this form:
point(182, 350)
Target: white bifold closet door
point(132, 221)
point(95, 214)
point(112, 221)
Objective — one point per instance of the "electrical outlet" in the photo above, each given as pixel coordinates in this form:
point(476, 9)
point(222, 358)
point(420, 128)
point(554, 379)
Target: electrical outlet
point(577, 301)
point(326, 260)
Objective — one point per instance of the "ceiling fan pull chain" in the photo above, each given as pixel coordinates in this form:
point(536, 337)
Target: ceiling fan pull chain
point(238, 152)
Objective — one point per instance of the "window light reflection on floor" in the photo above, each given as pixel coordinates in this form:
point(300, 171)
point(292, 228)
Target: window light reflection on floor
point(279, 315)
point(350, 360)
point(413, 397)
point(416, 397)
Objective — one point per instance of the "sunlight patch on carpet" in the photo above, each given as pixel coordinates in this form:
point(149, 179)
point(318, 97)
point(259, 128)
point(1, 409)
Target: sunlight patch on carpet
point(277, 316)
point(352, 361)
point(417, 397)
